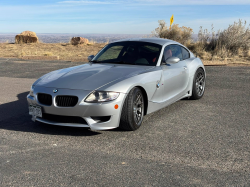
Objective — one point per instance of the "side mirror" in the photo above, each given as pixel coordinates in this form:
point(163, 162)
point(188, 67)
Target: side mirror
point(172, 60)
point(90, 57)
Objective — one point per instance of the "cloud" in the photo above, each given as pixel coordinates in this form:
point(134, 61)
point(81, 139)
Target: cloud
point(71, 27)
point(117, 16)
point(90, 2)
point(158, 2)
point(195, 2)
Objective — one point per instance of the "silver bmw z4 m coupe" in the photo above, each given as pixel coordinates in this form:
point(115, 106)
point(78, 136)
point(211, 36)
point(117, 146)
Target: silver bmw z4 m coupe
point(125, 81)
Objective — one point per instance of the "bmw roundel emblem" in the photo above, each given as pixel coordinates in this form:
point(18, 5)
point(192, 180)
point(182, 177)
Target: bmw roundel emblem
point(55, 90)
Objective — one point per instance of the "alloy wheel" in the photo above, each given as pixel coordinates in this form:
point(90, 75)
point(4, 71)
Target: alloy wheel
point(138, 108)
point(200, 83)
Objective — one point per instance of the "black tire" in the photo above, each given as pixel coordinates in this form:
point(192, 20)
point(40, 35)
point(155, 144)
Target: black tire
point(198, 84)
point(132, 111)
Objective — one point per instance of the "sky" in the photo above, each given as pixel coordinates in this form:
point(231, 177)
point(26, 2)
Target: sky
point(117, 16)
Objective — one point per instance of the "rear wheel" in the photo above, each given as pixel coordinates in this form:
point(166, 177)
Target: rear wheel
point(132, 111)
point(198, 84)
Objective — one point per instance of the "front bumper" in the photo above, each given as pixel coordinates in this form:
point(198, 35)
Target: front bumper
point(83, 110)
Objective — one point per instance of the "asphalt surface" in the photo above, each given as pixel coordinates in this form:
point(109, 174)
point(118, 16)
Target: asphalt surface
point(190, 143)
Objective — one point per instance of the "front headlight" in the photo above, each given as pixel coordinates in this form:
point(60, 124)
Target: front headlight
point(32, 90)
point(101, 96)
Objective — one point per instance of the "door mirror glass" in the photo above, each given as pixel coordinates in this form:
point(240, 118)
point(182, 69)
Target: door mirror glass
point(172, 60)
point(90, 57)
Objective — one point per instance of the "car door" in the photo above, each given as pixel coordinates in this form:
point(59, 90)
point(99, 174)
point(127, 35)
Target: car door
point(175, 76)
point(185, 60)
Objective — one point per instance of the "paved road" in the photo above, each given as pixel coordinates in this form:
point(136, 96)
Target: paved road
point(190, 143)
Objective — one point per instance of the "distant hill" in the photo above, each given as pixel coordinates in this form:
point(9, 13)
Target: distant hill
point(65, 38)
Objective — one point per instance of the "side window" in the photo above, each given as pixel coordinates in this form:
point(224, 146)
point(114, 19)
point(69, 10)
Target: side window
point(185, 53)
point(172, 51)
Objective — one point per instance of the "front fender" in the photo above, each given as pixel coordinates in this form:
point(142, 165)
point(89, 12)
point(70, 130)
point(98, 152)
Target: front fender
point(146, 80)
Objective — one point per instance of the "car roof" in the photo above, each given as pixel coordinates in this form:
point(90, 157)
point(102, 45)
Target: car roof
point(159, 41)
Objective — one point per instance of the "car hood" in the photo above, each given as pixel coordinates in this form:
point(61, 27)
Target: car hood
point(89, 76)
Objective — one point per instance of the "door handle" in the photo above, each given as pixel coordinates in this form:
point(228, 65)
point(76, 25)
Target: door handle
point(185, 67)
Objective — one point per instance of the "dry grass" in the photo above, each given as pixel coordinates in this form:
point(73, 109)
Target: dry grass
point(228, 46)
point(221, 56)
point(231, 42)
point(48, 54)
point(80, 53)
point(247, 54)
point(65, 51)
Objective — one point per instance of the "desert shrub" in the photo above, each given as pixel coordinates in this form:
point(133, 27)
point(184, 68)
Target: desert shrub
point(235, 37)
point(182, 35)
point(228, 42)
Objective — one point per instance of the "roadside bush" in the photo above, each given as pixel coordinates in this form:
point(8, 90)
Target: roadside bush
point(182, 35)
point(229, 42)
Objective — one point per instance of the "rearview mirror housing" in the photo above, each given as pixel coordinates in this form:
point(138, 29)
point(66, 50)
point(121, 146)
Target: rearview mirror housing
point(90, 57)
point(172, 60)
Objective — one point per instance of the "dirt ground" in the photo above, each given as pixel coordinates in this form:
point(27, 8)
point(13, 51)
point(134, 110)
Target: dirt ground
point(65, 51)
point(80, 53)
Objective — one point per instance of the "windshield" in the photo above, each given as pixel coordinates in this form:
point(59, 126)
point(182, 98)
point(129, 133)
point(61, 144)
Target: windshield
point(133, 53)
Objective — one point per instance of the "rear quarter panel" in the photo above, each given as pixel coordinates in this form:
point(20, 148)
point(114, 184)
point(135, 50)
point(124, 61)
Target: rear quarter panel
point(193, 64)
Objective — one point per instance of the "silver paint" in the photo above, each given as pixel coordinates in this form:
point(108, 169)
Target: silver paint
point(163, 84)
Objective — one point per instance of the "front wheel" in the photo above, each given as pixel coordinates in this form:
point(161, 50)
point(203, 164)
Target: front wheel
point(132, 111)
point(198, 84)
